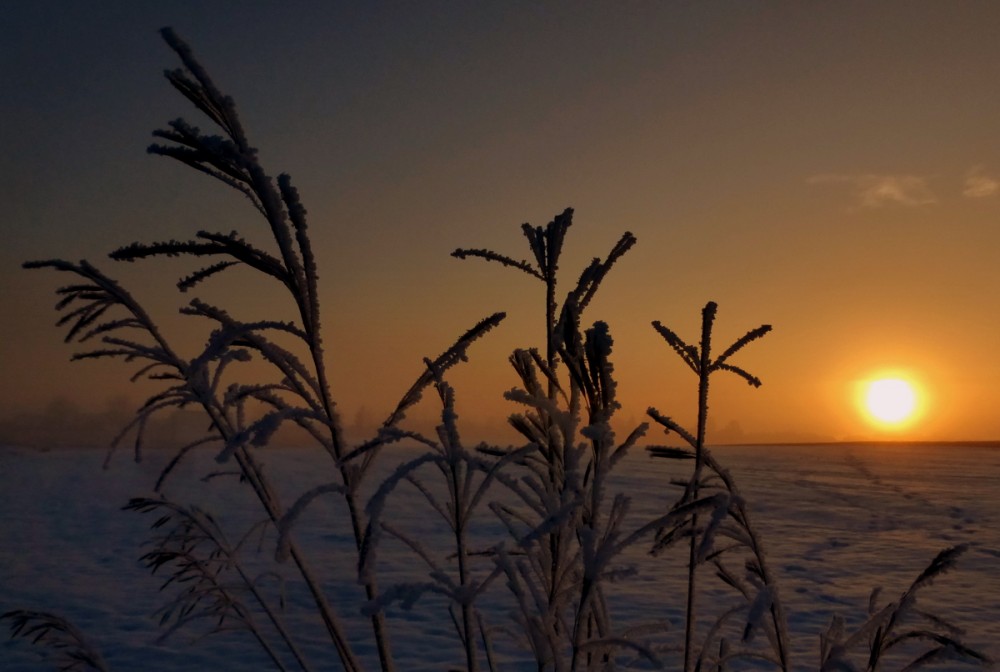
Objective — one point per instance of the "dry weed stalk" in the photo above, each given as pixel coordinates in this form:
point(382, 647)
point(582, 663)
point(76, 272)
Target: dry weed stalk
point(730, 519)
point(887, 630)
point(72, 651)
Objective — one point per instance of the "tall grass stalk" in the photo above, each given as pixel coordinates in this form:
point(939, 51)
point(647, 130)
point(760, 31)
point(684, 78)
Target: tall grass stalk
point(701, 538)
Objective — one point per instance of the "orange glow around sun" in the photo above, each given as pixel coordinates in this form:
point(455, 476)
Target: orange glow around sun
point(891, 402)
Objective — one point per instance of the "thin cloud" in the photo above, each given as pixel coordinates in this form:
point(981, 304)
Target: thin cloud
point(873, 191)
point(980, 185)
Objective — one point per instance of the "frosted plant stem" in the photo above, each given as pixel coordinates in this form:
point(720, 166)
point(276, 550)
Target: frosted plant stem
point(704, 369)
point(371, 587)
point(555, 462)
point(263, 603)
point(328, 615)
point(550, 329)
point(581, 616)
point(471, 660)
point(371, 592)
point(584, 613)
point(306, 295)
point(264, 493)
point(776, 611)
point(278, 205)
point(330, 618)
point(276, 622)
point(226, 431)
point(689, 616)
point(272, 654)
point(261, 487)
point(247, 466)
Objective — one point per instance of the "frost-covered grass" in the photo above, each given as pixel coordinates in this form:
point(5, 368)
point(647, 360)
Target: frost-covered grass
point(413, 550)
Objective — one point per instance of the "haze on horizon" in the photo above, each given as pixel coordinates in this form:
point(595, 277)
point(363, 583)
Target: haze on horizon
point(832, 170)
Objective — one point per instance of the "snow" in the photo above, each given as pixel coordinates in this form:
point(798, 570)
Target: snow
point(837, 521)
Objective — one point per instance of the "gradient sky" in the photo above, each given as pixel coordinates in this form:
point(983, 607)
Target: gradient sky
point(832, 169)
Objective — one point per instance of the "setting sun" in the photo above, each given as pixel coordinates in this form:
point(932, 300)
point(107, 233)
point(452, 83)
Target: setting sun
point(890, 401)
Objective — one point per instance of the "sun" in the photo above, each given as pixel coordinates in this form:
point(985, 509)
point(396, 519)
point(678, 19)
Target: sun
point(891, 402)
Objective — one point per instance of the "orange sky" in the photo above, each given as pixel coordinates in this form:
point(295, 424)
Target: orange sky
point(832, 170)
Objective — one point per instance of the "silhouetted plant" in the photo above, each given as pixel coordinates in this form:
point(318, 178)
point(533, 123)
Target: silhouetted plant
point(730, 534)
point(565, 532)
point(886, 630)
point(564, 524)
point(301, 394)
point(730, 518)
point(72, 651)
point(213, 583)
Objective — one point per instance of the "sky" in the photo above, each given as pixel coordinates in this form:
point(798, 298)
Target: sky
point(831, 169)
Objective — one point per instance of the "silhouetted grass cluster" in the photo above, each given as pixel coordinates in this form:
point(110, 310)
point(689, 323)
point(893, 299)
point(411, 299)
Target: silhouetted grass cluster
point(564, 530)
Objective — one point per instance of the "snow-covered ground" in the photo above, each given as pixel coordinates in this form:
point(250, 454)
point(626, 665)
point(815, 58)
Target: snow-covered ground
point(837, 521)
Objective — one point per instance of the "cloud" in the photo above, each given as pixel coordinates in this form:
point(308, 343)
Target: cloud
point(874, 191)
point(980, 185)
